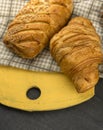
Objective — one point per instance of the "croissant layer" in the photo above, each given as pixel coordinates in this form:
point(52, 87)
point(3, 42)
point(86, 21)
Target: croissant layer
point(77, 50)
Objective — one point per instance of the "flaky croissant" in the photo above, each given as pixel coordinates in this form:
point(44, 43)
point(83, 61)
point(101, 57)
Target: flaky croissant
point(77, 49)
point(35, 24)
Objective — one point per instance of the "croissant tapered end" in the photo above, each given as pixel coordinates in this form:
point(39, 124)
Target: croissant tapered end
point(86, 79)
point(77, 50)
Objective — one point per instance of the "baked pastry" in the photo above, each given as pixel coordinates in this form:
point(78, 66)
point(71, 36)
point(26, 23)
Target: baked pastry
point(77, 50)
point(29, 33)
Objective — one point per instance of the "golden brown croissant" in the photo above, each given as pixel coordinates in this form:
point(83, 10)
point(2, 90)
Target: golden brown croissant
point(35, 24)
point(77, 49)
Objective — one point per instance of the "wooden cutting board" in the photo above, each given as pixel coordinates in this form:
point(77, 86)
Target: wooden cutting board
point(57, 91)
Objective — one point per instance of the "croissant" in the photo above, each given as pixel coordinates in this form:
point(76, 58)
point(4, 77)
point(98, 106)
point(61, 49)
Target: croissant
point(30, 31)
point(77, 50)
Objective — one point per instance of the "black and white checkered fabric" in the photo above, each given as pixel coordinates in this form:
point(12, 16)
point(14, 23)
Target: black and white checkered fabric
point(91, 9)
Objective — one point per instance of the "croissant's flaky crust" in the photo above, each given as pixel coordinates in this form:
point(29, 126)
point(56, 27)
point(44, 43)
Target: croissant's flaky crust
point(35, 24)
point(77, 49)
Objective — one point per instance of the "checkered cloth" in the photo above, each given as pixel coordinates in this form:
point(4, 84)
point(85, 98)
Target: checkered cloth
point(90, 9)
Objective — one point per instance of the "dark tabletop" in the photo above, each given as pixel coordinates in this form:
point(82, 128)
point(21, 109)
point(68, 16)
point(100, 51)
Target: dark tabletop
point(86, 116)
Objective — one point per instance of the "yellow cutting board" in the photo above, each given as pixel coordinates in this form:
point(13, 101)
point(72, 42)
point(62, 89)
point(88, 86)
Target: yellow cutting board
point(57, 91)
